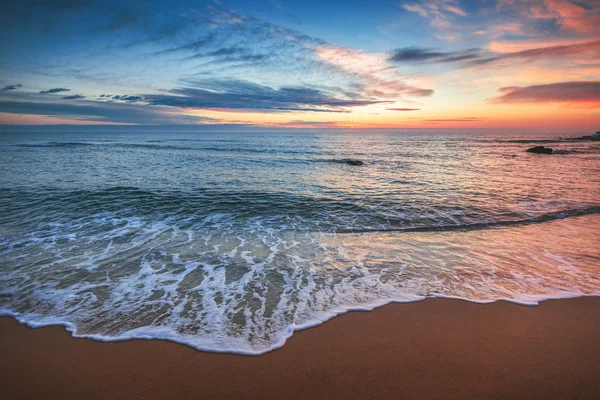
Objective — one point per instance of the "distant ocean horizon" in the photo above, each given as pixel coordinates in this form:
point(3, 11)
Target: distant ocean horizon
point(231, 241)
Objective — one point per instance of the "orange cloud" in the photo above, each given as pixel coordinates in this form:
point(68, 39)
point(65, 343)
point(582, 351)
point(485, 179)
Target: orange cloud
point(513, 46)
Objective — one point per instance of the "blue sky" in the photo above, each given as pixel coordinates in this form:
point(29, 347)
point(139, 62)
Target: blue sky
point(310, 63)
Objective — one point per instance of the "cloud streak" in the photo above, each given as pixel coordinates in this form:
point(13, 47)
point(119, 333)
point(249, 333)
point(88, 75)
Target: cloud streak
point(584, 93)
point(127, 98)
point(99, 112)
point(55, 90)
point(477, 57)
point(10, 87)
point(243, 95)
point(74, 97)
point(420, 54)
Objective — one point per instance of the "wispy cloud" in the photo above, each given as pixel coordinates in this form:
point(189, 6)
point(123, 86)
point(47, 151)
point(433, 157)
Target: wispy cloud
point(55, 90)
point(10, 87)
point(100, 112)
point(439, 12)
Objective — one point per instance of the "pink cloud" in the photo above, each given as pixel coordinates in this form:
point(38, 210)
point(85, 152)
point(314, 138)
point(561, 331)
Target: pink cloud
point(569, 15)
point(379, 77)
point(416, 9)
point(439, 12)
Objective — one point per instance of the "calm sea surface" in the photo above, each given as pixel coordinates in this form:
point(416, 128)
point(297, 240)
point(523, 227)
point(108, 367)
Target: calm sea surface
point(231, 241)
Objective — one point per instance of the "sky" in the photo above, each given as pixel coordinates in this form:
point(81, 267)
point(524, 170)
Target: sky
point(432, 64)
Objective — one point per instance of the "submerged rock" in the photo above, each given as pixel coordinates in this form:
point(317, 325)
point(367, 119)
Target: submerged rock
point(540, 150)
point(354, 162)
point(349, 161)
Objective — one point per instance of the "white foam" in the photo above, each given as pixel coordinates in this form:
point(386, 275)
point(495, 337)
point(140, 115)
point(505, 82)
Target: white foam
point(220, 285)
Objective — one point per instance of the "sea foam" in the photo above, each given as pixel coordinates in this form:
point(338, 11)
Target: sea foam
point(218, 285)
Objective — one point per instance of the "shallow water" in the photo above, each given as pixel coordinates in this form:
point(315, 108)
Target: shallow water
point(229, 242)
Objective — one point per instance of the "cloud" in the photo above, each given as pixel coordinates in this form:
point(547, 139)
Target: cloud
point(403, 109)
point(370, 74)
point(236, 38)
point(269, 54)
point(592, 48)
point(569, 15)
point(419, 54)
point(230, 55)
point(74, 97)
point(244, 95)
point(475, 57)
point(100, 112)
point(219, 44)
point(422, 11)
point(583, 93)
point(10, 87)
point(439, 12)
point(127, 98)
point(55, 90)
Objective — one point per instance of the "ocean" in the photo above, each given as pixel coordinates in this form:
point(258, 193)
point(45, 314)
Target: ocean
point(230, 242)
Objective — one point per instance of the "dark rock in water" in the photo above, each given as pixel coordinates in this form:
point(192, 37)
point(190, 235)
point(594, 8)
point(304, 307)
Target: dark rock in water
point(349, 161)
point(354, 162)
point(595, 136)
point(540, 150)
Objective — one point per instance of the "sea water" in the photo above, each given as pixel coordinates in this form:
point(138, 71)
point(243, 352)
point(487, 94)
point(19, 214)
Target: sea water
point(231, 241)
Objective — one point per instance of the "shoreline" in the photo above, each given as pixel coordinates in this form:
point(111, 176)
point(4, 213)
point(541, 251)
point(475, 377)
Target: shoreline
point(71, 330)
point(435, 348)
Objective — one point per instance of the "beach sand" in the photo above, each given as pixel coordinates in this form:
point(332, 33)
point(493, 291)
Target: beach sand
point(434, 349)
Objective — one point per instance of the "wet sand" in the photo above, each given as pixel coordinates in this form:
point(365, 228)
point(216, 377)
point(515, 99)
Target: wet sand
point(434, 349)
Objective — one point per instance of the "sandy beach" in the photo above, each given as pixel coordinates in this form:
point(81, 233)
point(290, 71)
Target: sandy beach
point(434, 349)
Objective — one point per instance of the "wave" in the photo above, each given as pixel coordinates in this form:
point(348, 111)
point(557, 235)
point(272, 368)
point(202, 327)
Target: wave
point(159, 145)
point(336, 213)
point(55, 144)
point(546, 217)
point(148, 146)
